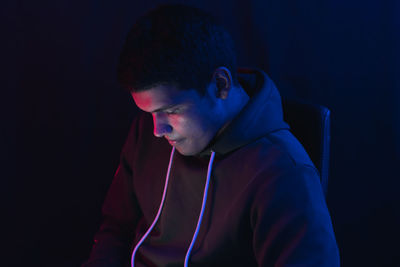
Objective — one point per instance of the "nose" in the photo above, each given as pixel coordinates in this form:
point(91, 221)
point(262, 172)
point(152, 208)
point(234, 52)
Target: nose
point(161, 126)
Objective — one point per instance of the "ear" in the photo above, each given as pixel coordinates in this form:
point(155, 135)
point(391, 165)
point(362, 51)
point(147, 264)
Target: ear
point(223, 80)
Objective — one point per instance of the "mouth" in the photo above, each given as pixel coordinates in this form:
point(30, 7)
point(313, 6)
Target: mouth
point(174, 142)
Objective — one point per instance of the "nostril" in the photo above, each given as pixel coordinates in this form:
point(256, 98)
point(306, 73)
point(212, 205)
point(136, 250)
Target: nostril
point(160, 131)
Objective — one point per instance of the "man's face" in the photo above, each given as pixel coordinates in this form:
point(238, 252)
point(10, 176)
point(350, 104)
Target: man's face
point(185, 118)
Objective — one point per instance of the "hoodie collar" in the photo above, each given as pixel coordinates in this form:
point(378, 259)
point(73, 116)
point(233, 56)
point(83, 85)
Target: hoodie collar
point(261, 115)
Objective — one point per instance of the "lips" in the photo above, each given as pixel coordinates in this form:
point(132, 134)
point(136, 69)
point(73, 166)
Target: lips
point(174, 142)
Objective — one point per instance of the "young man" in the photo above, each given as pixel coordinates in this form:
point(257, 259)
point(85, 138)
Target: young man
point(221, 181)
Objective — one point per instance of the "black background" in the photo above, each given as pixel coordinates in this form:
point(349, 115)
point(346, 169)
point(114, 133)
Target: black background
point(64, 117)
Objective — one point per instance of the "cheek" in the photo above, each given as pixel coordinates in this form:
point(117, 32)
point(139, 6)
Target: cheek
point(188, 125)
point(179, 123)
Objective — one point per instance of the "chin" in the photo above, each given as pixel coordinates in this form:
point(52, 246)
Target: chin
point(186, 152)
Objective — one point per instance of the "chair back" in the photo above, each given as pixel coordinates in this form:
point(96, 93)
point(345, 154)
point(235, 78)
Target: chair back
point(310, 124)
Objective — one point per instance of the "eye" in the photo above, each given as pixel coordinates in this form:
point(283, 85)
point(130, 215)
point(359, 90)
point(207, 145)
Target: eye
point(174, 111)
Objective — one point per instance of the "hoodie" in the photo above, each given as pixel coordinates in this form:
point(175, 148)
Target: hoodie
point(251, 198)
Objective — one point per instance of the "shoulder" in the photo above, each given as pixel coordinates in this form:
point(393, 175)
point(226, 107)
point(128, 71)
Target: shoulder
point(276, 153)
point(280, 169)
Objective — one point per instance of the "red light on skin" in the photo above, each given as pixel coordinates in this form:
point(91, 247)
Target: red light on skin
point(174, 142)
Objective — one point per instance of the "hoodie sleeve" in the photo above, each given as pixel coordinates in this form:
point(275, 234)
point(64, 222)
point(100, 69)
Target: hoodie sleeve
point(291, 222)
point(112, 242)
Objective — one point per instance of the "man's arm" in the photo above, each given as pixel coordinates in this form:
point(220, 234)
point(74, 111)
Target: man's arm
point(291, 222)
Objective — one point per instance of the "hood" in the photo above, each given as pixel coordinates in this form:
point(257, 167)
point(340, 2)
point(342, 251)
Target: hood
point(261, 115)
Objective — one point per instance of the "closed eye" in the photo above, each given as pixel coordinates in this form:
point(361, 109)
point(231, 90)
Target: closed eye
point(174, 111)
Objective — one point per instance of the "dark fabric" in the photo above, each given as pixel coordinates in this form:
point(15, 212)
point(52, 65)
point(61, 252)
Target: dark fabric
point(265, 204)
point(64, 118)
point(310, 123)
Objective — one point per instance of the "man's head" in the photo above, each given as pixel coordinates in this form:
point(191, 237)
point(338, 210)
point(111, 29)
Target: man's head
point(180, 66)
point(175, 44)
point(187, 119)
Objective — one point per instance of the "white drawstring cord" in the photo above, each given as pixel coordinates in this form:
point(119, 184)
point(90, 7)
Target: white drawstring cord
point(202, 209)
point(159, 209)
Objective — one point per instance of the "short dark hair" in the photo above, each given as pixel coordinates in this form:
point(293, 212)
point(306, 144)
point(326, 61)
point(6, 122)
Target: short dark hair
point(175, 44)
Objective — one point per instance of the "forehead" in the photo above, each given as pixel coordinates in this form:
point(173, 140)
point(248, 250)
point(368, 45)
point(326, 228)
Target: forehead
point(163, 96)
